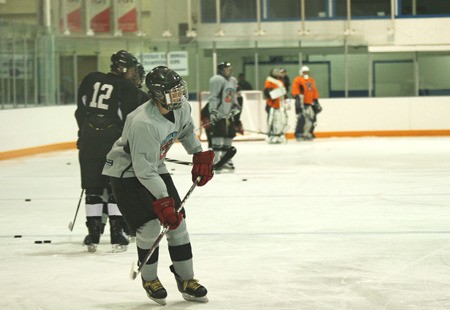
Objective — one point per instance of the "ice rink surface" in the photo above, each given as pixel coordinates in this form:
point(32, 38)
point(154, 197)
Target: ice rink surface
point(339, 223)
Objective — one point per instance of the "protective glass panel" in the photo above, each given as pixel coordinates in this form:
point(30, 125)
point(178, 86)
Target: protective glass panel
point(363, 8)
point(425, 7)
point(394, 78)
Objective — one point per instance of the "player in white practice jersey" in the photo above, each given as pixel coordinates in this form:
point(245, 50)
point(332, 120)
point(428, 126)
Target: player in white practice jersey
point(223, 107)
point(143, 188)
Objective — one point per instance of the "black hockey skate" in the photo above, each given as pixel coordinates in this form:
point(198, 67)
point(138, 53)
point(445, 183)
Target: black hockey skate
point(91, 243)
point(226, 168)
point(191, 290)
point(118, 241)
point(155, 291)
point(93, 238)
point(129, 233)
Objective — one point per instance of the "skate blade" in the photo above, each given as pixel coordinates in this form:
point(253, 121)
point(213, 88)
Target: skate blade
point(92, 248)
point(131, 239)
point(193, 298)
point(117, 248)
point(161, 301)
point(224, 171)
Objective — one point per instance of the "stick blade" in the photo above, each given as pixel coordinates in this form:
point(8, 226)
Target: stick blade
point(134, 271)
point(226, 157)
point(70, 226)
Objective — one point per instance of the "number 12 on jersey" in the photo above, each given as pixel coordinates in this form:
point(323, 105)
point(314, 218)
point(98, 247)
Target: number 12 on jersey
point(100, 94)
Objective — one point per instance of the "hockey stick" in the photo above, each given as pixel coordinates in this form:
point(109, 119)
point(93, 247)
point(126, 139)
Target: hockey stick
point(231, 150)
point(135, 269)
point(180, 162)
point(256, 131)
point(72, 223)
point(228, 116)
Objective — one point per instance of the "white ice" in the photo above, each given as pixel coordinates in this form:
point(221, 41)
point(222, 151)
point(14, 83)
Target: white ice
point(339, 223)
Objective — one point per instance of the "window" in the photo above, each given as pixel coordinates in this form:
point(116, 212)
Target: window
point(291, 9)
point(363, 8)
point(425, 7)
point(230, 10)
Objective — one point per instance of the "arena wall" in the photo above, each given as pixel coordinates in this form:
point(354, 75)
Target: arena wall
point(43, 129)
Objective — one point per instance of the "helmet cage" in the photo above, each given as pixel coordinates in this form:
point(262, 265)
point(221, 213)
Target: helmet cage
point(172, 99)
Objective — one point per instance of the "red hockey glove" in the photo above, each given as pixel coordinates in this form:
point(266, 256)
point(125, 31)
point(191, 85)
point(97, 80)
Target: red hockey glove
point(206, 122)
point(203, 167)
point(164, 209)
point(239, 128)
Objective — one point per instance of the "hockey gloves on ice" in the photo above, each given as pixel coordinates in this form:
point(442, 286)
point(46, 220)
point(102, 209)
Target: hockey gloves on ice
point(164, 209)
point(203, 167)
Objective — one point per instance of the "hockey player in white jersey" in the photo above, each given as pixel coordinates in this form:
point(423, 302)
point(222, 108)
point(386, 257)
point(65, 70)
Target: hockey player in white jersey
point(223, 107)
point(143, 188)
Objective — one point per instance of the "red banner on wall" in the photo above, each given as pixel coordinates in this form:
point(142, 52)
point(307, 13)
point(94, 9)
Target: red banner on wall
point(126, 15)
point(71, 15)
point(99, 15)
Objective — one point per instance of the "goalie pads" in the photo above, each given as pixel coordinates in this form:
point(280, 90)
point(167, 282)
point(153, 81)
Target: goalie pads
point(308, 114)
point(299, 104)
point(277, 122)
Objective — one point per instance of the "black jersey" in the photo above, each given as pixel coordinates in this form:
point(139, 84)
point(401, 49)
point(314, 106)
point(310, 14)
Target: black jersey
point(108, 95)
point(104, 101)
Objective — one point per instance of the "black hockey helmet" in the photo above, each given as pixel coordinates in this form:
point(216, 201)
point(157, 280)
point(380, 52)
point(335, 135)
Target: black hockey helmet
point(166, 87)
point(122, 60)
point(139, 75)
point(140, 71)
point(221, 68)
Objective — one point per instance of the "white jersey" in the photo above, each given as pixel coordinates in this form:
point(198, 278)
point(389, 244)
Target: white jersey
point(222, 96)
point(146, 138)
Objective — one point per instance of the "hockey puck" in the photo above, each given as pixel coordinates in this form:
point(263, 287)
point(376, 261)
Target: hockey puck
point(28, 199)
point(17, 236)
point(244, 180)
point(47, 241)
point(37, 241)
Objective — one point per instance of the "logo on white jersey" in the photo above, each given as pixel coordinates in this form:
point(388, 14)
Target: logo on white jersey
point(166, 144)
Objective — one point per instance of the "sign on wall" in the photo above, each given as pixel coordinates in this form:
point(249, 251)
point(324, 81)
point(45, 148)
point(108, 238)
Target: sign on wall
point(177, 61)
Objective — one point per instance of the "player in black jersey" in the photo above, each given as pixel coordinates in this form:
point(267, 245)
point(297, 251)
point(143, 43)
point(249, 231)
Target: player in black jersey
point(138, 80)
point(104, 101)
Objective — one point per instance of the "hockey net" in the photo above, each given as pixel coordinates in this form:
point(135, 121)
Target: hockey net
point(253, 115)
